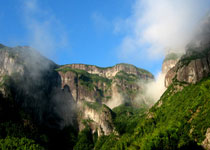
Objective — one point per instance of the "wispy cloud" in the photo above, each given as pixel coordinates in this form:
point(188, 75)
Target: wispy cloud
point(158, 25)
point(45, 31)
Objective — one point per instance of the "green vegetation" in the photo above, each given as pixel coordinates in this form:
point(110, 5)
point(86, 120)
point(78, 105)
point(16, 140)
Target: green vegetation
point(12, 143)
point(129, 78)
point(140, 70)
point(18, 129)
point(179, 123)
point(195, 54)
point(129, 81)
point(126, 118)
point(93, 105)
point(86, 79)
point(172, 56)
point(85, 140)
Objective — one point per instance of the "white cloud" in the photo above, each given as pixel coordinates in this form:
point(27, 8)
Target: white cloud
point(160, 25)
point(155, 89)
point(45, 31)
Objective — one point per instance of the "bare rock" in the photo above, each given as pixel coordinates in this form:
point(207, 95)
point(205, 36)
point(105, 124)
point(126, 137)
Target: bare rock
point(206, 142)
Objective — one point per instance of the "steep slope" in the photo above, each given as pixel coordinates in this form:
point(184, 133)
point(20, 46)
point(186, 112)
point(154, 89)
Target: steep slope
point(33, 83)
point(180, 122)
point(41, 101)
point(33, 107)
point(95, 86)
point(180, 119)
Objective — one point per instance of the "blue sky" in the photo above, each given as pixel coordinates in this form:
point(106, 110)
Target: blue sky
point(99, 32)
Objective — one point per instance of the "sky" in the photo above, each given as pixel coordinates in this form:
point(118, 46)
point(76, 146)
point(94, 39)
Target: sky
point(102, 32)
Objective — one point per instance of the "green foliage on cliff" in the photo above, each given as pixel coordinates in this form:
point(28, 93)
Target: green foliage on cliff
point(127, 117)
point(130, 78)
point(194, 54)
point(172, 56)
point(12, 143)
point(18, 129)
point(85, 140)
point(85, 78)
point(179, 123)
point(93, 105)
point(140, 70)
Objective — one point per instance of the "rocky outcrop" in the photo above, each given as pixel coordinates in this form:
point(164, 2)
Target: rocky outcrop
point(110, 72)
point(206, 142)
point(168, 64)
point(98, 117)
point(191, 68)
point(170, 61)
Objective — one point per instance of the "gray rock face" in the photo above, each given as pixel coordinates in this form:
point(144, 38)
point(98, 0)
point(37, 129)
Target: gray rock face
point(167, 65)
point(206, 142)
point(100, 119)
point(170, 61)
point(191, 68)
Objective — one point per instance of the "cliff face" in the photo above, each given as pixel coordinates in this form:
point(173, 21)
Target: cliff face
point(191, 68)
point(98, 117)
point(31, 81)
point(103, 85)
point(170, 61)
point(111, 86)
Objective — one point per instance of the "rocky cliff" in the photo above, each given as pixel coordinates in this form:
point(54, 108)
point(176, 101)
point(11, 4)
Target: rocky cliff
point(113, 86)
point(191, 68)
point(98, 117)
point(170, 61)
point(91, 83)
point(31, 81)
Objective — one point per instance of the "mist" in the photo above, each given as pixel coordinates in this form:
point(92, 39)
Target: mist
point(155, 26)
point(156, 88)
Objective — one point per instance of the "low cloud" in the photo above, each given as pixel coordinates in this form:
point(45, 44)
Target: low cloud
point(154, 89)
point(158, 25)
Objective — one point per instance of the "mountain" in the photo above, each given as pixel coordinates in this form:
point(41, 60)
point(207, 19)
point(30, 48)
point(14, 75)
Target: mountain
point(82, 107)
point(51, 106)
point(181, 117)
